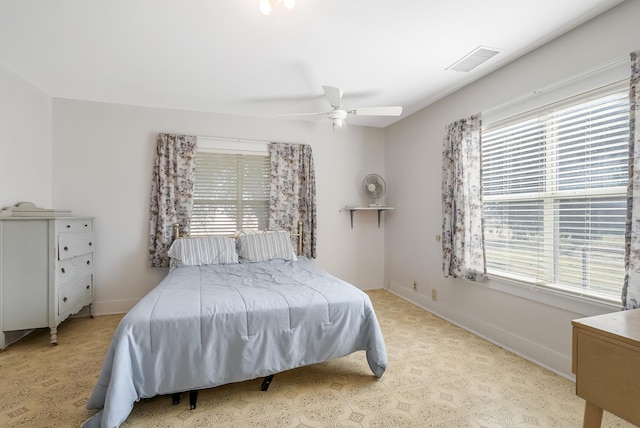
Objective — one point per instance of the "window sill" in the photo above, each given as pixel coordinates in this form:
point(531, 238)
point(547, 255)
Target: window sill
point(580, 305)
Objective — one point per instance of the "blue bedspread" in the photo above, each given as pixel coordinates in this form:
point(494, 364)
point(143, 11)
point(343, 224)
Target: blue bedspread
point(205, 326)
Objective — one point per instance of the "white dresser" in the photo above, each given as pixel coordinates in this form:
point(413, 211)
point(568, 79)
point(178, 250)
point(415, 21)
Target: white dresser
point(46, 272)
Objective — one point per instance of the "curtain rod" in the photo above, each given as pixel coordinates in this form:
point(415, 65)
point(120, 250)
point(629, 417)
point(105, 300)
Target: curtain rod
point(240, 140)
point(558, 83)
point(233, 140)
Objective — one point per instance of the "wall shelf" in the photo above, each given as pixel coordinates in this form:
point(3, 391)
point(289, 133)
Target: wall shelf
point(379, 209)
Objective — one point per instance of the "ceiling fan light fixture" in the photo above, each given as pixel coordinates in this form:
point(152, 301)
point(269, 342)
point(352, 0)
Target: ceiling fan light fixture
point(267, 5)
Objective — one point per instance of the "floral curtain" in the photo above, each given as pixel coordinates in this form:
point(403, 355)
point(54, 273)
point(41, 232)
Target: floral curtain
point(462, 235)
point(293, 192)
point(171, 193)
point(631, 287)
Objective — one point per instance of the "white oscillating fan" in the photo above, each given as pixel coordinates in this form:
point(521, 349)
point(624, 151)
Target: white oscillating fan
point(374, 187)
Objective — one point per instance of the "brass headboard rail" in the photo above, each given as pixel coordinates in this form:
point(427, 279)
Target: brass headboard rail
point(300, 237)
point(176, 235)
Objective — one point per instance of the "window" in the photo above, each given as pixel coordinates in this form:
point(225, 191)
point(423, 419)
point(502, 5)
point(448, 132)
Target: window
point(231, 192)
point(554, 192)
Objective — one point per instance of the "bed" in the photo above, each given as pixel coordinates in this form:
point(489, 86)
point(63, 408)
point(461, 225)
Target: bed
point(232, 311)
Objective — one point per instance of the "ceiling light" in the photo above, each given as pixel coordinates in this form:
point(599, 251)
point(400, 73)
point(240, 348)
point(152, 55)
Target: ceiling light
point(267, 5)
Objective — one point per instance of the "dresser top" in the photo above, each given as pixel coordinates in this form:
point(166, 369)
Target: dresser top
point(622, 325)
point(29, 209)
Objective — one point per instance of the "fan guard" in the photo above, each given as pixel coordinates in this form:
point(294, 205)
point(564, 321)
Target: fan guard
point(374, 187)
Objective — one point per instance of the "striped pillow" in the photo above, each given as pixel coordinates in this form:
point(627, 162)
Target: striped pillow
point(204, 250)
point(262, 247)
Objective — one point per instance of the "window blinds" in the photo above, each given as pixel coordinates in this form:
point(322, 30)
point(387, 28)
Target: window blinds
point(231, 192)
point(554, 192)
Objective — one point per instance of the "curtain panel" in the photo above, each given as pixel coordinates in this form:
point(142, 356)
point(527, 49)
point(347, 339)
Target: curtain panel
point(631, 287)
point(171, 193)
point(462, 222)
point(293, 192)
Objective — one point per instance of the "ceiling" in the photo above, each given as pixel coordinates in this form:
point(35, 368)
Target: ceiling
point(224, 56)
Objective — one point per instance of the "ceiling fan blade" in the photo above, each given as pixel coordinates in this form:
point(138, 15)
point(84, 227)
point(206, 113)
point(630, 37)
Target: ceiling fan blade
point(376, 111)
point(302, 114)
point(334, 95)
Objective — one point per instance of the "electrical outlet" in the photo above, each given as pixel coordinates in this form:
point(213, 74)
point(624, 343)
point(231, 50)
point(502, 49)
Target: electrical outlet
point(415, 285)
point(434, 294)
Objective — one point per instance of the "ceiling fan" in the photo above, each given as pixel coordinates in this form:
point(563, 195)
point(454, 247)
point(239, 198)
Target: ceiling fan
point(338, 115)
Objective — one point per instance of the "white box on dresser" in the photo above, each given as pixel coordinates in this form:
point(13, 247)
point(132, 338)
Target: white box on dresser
point(46, 272)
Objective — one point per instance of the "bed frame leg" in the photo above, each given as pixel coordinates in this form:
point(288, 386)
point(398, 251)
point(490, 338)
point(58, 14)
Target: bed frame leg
point(266, 382)
point(193, 397)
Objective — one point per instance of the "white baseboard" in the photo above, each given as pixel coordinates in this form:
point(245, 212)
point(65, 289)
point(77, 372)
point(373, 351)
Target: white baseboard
point(110, 307)
point(531, 351)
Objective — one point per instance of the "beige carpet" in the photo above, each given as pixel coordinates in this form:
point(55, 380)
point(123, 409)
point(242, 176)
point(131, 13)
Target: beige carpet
point(438, 376)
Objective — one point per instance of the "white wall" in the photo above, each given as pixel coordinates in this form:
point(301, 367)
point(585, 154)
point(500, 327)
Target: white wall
point(99, 159)
point(530, 322)
point(102, 160)
point(25, 142)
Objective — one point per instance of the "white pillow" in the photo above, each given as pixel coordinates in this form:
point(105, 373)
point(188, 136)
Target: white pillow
point(204, 250)
point(261, 247)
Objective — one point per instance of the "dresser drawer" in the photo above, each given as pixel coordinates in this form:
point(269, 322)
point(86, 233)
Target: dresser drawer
point(74, 293)
point(74, 225)
point(74, 244)
point(74, 268)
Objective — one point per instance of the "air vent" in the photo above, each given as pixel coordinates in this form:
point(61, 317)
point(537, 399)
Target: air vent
point(474, 59)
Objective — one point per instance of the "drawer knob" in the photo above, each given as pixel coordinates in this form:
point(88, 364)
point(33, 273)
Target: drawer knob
point(64, 299)
point(88, 287)
point(90, 244)
point(86, 225)
point(66, 248)
point(63, 271)
point(88, 262)
point(68, 226)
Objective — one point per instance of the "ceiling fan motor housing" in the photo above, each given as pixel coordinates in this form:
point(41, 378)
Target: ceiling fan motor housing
point(338, 114)
point(338, 117)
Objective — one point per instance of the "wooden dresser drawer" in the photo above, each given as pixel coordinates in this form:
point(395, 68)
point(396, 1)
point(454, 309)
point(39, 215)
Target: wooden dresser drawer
point(74, 225)
point(73, 268)
point(74, 244)
point(74, 293)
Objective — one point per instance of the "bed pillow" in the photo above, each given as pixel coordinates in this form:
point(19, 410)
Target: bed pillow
point(262, 247)
point(204, 250)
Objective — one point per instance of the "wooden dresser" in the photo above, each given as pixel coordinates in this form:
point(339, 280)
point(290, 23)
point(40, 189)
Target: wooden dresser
point(46, 272)
point(606, 362)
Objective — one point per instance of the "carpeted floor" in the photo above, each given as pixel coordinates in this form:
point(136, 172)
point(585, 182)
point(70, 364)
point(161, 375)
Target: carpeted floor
point(439, 376)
